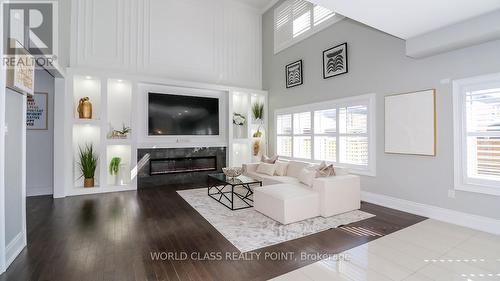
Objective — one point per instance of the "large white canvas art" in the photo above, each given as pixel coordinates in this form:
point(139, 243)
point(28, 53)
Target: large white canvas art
point(410, 123)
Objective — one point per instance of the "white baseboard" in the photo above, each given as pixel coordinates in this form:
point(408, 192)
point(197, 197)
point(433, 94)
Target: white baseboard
point(38, 191)
point(455, 217)
point(14, 248)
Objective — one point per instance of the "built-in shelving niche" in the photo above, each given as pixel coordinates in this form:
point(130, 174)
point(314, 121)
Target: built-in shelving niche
point(112, 106)
point(84, 135)
point(87, 86)
point(241, 140)
point(123, 178)
point(119, 105)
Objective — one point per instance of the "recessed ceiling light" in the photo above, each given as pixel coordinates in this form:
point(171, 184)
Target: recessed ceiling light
point(88, 77)
point(120, 81)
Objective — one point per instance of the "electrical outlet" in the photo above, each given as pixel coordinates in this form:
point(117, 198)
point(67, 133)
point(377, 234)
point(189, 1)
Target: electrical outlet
point(451, 193)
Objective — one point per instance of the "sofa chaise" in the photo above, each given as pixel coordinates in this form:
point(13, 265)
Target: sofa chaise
point(286, 199)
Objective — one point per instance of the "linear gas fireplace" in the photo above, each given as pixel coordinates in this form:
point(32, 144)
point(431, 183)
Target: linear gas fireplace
point(182, 165)
point(179, 167)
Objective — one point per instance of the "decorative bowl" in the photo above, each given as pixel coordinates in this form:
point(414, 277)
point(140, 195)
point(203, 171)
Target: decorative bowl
point(232, 172)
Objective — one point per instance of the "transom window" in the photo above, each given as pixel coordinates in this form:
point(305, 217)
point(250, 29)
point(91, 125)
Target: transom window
point(336, 131)
point(295, 20)
point(477, 134)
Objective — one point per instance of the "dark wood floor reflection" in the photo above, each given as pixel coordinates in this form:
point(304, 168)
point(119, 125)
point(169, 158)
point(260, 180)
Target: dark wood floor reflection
point(111, 237)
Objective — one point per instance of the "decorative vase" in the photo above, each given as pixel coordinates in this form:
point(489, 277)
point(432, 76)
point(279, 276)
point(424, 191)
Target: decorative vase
point(87, 183)
point(239, 132)
point(85, 108)
point(256, 146)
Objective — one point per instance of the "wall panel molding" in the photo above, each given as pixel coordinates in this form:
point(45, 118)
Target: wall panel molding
point(212, 41)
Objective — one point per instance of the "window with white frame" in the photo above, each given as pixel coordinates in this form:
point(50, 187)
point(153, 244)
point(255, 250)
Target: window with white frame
point(477, 134)
point(338, 131)
point(295, 20)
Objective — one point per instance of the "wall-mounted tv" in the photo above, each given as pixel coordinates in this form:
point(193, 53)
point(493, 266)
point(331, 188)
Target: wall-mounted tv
point(178, 115)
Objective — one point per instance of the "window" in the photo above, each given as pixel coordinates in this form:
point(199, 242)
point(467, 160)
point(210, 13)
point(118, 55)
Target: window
point(477, 134)
point(336, 131)
point(284, 136)
point(295, 20)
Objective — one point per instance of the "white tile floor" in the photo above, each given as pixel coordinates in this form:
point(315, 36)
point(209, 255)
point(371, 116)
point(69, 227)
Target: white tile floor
point(430, 250)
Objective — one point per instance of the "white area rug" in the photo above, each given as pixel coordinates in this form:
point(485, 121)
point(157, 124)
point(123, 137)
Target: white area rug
point(249, 230)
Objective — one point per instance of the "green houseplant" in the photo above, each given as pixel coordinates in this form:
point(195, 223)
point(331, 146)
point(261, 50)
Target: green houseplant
point(258, 111)
point(114, 166)
point(88, 164)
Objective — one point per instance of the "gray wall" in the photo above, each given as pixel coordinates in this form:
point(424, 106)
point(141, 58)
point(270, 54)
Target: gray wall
point(377, 64)
point(13, 165)
point(40, 144)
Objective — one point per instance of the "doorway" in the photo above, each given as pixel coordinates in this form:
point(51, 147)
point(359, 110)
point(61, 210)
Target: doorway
point(40, 139)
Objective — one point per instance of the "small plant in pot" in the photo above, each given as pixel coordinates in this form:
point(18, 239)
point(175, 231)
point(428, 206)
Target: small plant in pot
point(258, 111)
point(87, 164)
point(114, 168)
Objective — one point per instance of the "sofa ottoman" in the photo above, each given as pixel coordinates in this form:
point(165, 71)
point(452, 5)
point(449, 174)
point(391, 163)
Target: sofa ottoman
point(287, 203)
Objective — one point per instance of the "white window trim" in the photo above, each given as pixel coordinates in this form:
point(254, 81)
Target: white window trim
point(461, 181)
point(368, 99)
point(314, 29)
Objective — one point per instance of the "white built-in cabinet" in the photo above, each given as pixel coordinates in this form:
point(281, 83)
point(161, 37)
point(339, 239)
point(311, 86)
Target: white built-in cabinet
point(112, 101)
point(118, 100)
point(242, 143)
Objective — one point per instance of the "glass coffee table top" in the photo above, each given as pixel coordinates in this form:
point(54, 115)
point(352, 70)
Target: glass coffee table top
point(241, 180)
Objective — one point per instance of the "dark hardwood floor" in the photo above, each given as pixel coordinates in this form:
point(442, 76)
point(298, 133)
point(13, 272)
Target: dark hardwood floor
point(111, 237)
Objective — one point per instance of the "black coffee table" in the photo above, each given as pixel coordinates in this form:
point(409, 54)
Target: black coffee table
point(239, 189)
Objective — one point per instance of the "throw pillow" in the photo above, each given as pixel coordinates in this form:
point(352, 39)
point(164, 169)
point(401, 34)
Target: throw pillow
point(281, 168)
point(327, 171)
point(266, 168)
point(319, 166)
point(307, 175)
point(268, 160)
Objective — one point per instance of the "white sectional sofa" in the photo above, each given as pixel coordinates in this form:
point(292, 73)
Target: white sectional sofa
point(287, 200)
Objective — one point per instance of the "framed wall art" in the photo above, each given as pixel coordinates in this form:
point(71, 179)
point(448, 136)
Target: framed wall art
point(410, 123)
point(36, 112)
point(294, 74)
point(335, 61)
point(21, 71)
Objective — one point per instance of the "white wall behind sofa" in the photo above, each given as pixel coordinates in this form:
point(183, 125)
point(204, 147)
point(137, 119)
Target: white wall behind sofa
point(377, 64)
point(211, 41)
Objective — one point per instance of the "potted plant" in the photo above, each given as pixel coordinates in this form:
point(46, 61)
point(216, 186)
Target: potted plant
point(120, 134)
point(114, 168)
point(87, 164)
point(258, 111)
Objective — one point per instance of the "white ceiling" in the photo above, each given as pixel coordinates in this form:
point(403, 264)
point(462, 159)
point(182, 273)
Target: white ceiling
point(409, 18)
point(258, 4)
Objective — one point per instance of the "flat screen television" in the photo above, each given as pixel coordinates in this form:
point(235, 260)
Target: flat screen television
point(171, 115)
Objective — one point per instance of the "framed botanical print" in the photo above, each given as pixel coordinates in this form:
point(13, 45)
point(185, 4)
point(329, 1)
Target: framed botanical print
point(294, 74)
point(335, 61)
